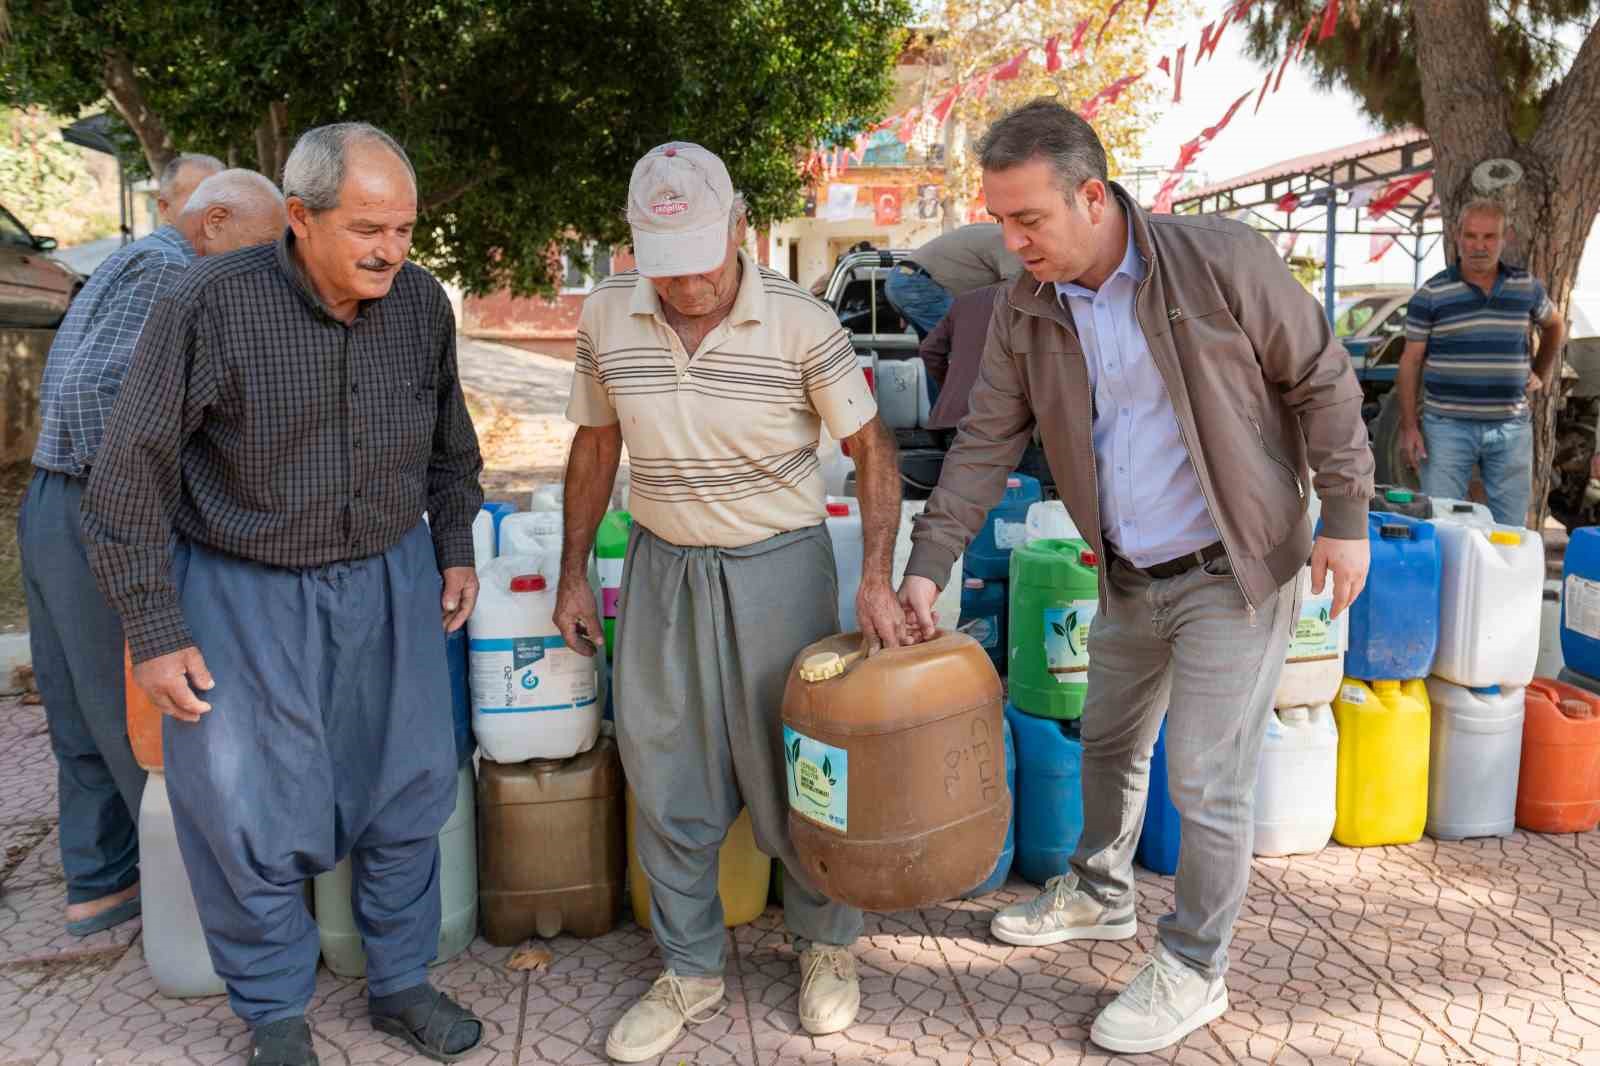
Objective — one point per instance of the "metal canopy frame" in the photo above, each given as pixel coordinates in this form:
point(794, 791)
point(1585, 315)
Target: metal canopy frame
point(1325, 182)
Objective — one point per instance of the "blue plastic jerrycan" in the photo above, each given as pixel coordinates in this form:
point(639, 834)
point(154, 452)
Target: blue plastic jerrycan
point(1158, 841)
point(1049, 793)
point(1394, 623)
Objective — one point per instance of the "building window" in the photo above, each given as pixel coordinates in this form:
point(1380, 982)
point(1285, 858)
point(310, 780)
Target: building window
point(574, 278)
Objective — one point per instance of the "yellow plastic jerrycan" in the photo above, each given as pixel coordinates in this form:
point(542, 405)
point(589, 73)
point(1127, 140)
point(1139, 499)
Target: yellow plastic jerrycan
point(744, 875)
point(1383, 762)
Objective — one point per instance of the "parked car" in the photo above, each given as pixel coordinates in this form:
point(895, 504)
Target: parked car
point(35, 288)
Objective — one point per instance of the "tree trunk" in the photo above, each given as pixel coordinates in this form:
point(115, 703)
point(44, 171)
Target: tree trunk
point(1551, 210)
point(127, 96)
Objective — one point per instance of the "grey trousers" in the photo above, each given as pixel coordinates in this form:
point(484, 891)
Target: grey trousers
point(705, 639)
point(76, 640)
point(329, 735)
point(1186, 646)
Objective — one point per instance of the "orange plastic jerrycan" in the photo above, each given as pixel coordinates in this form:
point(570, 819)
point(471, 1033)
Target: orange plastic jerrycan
point(1558, 789)
point(144, 721)
point(896, 770)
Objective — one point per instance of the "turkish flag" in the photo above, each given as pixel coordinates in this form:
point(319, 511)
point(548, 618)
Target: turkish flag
point(1052, 54)
point(1288, 202)
point(886, 203)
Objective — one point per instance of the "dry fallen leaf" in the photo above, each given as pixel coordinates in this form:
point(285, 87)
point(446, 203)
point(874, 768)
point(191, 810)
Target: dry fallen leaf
point(529, 959)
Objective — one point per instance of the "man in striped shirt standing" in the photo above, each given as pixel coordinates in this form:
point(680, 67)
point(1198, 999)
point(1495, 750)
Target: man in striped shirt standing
point(1467, 339)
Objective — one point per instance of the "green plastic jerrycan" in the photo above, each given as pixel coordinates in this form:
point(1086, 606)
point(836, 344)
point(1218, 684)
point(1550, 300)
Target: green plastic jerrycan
point(1055, 593)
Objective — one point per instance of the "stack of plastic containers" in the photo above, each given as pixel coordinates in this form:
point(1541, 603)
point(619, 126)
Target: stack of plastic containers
point(1491, 597)
point(1297, 780)
point(984, 608)
point(986, 567)
point(1382, 710)
point(1054, 595)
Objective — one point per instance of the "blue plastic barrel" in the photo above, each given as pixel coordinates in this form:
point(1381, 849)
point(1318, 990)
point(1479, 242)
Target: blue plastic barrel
point(455, 653)
point(1049, 810)
point(989, 554)
point(1002, 868)
point(1158, 842)
point(1580, 602)
point(985, 606)
point(1394, 623)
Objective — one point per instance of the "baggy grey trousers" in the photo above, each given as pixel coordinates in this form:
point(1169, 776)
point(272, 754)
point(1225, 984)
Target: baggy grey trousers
point(705, 639)
point(1187, 646)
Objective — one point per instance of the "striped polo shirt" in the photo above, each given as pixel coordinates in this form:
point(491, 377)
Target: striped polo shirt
point(722, 444)
point(1477, 359)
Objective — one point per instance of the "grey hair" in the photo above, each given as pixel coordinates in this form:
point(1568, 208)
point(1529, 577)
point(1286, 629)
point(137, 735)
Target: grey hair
point(170, 172)
point(1483, 205)
point(237, 190)
point(736, 213)
point(315, 169)
point(1045, 129)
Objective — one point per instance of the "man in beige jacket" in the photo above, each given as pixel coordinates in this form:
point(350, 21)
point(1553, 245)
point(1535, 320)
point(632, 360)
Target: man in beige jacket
point(1181, 380)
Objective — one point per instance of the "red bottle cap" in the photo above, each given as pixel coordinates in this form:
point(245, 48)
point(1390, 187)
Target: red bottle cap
point(528, 583)
point(838, 510)
point(1088, 558)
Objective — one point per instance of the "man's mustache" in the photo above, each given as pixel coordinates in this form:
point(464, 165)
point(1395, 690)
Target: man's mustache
point(375, 263)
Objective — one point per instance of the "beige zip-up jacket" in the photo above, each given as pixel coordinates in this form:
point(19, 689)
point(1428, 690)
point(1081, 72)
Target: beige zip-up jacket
point(1258, 381)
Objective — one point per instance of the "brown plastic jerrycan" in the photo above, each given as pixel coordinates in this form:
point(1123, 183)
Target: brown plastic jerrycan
point(551, 851)
point(144, 721)
point(896, 771)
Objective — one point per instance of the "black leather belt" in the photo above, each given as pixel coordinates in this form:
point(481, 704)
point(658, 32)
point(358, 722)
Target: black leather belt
point(1182, 564)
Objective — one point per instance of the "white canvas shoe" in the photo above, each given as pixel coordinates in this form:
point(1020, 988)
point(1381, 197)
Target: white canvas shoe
point(655, 1022)
point(1061, 912)
point(1165, 1002)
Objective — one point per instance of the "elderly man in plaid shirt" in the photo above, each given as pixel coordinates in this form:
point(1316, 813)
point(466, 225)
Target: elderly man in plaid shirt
point(292, 413)
point(75, 635)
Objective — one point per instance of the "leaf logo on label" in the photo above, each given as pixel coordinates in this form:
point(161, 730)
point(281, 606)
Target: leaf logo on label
point(812, 782)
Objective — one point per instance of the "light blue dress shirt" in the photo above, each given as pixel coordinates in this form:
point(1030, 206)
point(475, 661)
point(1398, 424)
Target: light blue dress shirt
point(1151, 505)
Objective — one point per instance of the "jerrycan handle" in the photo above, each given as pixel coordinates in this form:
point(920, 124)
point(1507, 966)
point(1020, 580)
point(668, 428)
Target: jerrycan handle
point(1394, 531)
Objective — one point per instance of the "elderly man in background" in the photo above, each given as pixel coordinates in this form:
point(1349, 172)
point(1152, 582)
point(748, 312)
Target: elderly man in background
point(922, 287)
point(718, 375)
point(178, 181)
point(290, 414)
point(75, 635)
point(1467, 343)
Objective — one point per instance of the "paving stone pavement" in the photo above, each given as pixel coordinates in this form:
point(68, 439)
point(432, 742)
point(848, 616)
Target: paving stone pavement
point(1482, 952)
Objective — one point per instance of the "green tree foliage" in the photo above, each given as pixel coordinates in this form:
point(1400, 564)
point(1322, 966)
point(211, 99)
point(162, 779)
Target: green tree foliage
point(524, 117)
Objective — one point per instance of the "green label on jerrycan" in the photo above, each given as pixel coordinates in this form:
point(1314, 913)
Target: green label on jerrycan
point(1066, 639)
point(1315, 636)
point(819, 780)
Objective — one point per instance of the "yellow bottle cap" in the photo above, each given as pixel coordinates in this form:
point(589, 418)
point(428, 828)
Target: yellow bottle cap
point(1504, 536)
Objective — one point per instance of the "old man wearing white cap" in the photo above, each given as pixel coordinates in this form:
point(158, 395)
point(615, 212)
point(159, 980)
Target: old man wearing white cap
point(718, 375)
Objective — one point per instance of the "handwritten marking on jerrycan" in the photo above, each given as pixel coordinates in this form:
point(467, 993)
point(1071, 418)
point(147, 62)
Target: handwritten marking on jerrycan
point(897, 787)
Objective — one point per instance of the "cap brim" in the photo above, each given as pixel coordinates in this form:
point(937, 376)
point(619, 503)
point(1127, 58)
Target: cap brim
point(668, 255)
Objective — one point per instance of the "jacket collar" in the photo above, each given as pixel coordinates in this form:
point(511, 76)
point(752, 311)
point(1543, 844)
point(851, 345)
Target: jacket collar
point(1039, 297)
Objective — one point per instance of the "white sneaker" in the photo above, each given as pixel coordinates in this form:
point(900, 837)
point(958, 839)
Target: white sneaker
point(830, 991)
point(1061, 912)
point(655, 1022)
point(1165, 1002)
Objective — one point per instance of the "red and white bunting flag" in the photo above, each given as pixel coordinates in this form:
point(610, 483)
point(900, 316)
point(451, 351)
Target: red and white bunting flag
point(1211, 132)
point(941, 110)
point(1288, 202)
point(1079, 35)
point(1150, 9)
point(1107, 95)
point(1381, 243)
point(1293, 54)
point(1177, 75)
point(1163, 201)
point(907, 128)
point(1116, 8)
point(1208, 39)
point(1052, 54)
point(1011, 67)
point(1188, 152)
point(1165, 66)
point(1266, 83)
point(1330, 21)
point(1362, 195)
point(1395, 192)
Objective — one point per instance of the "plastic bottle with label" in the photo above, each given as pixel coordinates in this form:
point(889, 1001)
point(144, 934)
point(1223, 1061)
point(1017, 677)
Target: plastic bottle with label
point(1005, 528)
point(1314, 663)
point(1055, 594)
point(844, 530)
point(610, 554)
point(1580, 602)
point(1475, 751)
point(984, 607)
point(1383, 762)
point(532, 696)
point(1490, 602)
point(1297, 782)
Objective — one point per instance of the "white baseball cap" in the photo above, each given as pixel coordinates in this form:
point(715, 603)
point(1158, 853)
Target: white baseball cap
point(679, 202)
